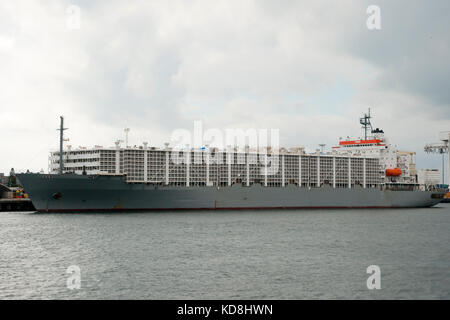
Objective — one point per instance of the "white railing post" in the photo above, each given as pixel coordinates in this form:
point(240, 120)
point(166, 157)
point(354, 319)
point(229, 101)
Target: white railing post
point(349, 172)
point(364, 171)
point(188, 162)
point(167, 167)
point(248, 169)
point(334, 172)
point(145, 165)
point(207, 166)
point(318, 171)
point(117, 160)
point(299, 170)
point(229, 154)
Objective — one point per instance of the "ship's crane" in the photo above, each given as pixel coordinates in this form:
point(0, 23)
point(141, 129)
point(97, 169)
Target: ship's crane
point(441, 147)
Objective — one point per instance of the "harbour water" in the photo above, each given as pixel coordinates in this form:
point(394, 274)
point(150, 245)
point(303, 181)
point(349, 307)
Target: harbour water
point(291, 254)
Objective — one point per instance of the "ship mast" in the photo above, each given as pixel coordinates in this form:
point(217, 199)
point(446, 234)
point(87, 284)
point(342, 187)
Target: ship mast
point(365, 121)
point(61, 139)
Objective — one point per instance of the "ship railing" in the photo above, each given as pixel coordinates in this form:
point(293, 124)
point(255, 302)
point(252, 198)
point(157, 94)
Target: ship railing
point(400, 186)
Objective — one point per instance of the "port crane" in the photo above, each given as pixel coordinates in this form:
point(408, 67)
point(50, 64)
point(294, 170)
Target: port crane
point(441, 147)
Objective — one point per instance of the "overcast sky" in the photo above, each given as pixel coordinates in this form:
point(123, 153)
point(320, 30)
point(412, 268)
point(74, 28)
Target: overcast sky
point(309, 68)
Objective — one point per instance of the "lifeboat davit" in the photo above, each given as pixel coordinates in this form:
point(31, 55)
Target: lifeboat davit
point(393, 172)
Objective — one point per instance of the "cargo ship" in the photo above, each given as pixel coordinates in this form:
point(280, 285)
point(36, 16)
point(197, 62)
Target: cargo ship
point(357, 173)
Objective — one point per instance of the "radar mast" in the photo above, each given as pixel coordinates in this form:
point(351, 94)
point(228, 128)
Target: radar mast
point(366, 125)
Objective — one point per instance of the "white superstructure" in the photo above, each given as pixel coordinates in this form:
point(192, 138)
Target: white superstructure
point(212, 167)
point(366, 162)
point(396, 166)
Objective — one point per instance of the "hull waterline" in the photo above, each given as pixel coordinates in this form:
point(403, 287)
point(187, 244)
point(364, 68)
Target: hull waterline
point(77, 193)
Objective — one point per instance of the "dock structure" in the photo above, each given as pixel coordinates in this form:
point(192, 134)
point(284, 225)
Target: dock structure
point(22, 204)
point(8, 203)
point(3, 189)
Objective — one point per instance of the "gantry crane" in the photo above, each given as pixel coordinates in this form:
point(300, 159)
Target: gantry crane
point(441, 147)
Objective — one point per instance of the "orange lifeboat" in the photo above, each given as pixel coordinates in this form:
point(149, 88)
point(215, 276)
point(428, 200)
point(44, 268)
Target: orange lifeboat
point(393, 172)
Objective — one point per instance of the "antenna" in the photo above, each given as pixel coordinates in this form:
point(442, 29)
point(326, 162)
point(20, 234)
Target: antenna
point(365, 121)
point(126, 136)
point(61, 140)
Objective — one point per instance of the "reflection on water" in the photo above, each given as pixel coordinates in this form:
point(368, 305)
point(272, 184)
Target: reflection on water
point(294, 254)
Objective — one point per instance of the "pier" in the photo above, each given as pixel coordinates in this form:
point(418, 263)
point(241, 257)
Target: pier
point(16, 205)
point(10, 203)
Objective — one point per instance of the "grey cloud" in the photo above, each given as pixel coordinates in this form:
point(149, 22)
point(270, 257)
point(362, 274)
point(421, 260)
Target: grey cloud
point(410, 49)
point(156, 66)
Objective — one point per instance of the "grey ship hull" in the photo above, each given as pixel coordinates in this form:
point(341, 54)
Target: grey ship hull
point(73, 193)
